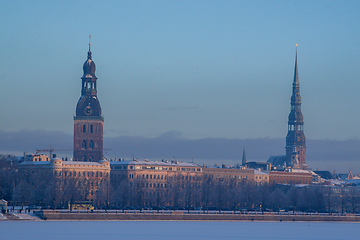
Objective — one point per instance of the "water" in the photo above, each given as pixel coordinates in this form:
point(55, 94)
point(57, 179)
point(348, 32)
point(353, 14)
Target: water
point(149, 230)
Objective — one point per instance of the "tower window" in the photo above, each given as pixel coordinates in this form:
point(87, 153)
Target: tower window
point(91, 145)
point(91, 128)
point(84, 128)
point(84, 145)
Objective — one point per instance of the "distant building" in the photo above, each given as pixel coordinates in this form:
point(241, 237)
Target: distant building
point(261, 166)
point(93, 178)
point(88, 122)
point(277, 162)
point(248, 175)
point(153, 173)
point(36, 157)
point(292, 177)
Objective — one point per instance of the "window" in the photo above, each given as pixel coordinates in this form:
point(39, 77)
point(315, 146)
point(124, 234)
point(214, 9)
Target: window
point(84, 144)
point(91, 145)
point(91, 129)
point(84, 128)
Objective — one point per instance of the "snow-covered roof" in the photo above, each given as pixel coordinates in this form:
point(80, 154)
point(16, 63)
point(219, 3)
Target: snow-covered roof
point(80, 163)
point(35, 163)
point(173, 164)
point(256, 172)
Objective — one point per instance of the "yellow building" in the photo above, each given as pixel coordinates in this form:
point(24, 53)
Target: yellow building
point(251, 175)
point(89, 180)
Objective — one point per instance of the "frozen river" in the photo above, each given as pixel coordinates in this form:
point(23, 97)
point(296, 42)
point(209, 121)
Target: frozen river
point(151, 230)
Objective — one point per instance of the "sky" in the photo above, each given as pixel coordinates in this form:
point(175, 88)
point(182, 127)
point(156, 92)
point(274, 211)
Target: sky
point(186, 69)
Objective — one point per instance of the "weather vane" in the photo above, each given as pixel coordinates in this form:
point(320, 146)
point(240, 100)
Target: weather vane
point(89, 41)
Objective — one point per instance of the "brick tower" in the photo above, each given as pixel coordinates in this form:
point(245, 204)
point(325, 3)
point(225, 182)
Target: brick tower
point(88, 122)
point(295, 139)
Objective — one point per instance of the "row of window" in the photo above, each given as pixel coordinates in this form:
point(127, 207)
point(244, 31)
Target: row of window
point(87, 145)
point(89, 84)
point(81, 174)
point(147, 176)
point(88, 128)
point(260, 178)
point(291, 181)
point(157, 168)
point(233, 176)
point(161, 185)
point(85, 183)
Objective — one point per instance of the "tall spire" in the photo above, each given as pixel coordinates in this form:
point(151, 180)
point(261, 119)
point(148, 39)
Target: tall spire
point(295, 139)
point(244, 158)
point(296, 75)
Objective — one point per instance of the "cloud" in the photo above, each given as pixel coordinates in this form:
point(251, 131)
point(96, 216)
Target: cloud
point(29, 141)
point(325, 154)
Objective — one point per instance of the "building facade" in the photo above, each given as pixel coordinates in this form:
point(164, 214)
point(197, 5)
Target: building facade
point(71, 180)
point(282, 177)
point(88, 122)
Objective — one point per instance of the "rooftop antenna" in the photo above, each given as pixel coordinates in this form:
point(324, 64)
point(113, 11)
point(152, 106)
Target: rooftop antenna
point(296, 46)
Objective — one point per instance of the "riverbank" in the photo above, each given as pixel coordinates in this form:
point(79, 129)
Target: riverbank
point(19, 217)
point(185, 216)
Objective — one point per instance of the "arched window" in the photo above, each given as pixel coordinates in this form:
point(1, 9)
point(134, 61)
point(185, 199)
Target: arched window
point(84, 128)
point(91, 128)
point(91, 144)
point(84, 144)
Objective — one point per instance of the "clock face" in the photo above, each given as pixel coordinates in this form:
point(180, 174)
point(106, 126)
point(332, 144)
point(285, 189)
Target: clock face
point(298, 138)
point(88, 110)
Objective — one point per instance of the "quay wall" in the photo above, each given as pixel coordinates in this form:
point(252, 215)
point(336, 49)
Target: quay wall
point(112, 216)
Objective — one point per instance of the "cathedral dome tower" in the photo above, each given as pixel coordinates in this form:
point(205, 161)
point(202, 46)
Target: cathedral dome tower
point(88, 122)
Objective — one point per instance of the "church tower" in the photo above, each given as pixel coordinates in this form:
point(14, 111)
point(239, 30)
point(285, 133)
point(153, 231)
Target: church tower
point(88, 122)
point(295, 139)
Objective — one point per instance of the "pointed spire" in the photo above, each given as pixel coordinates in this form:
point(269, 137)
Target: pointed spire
point(244, 158)
point(296, 75)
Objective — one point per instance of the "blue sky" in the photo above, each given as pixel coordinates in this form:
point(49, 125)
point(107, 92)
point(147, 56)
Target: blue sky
point(193, 69)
